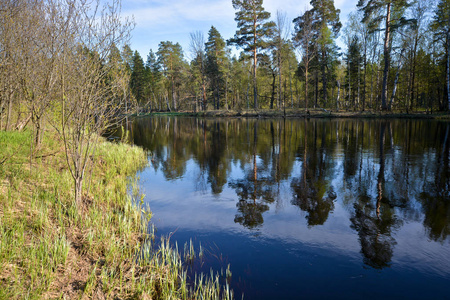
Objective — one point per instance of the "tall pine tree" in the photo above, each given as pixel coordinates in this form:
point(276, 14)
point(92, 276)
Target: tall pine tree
point(170, 58)
point(327, 26)
point(216, 61)
point(253, 31)
point(137, 80)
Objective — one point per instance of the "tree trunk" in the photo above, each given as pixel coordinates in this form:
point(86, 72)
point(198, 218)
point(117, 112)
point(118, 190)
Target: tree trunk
point(226, 94)
point(448, 68)
point(316, 90)
point(349, 85)
point(8, 116)
point(306, 85)
point(167, 102)
point(290, 85)
point(248, 100)
point(358, 81)
point(338, 94)
point(78, 190)
point(384, 92)
point(255, 90)
point(204, 96)
point(279, 79)
point(396, 80)
point(272, 98)
point(324, 78)
point(413, 74)
point(217, 95)
point(174, 101)
point(364, 77)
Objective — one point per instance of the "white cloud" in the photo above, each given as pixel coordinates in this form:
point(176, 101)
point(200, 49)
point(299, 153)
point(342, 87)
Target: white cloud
point(161, 20)
point(173, 20)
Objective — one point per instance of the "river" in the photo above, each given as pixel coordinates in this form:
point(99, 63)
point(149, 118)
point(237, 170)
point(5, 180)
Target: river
point(305, 209)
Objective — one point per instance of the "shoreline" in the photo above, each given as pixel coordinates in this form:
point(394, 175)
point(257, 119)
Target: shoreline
point(317, 113)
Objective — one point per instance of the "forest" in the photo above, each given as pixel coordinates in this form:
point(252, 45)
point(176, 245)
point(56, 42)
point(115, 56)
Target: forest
point(395, 58)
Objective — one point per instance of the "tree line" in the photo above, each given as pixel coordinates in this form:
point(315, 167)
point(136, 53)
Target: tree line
point(68, 65)
point(395, 58)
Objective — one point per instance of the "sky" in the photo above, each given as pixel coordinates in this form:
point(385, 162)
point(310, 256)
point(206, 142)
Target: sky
point(174, 20)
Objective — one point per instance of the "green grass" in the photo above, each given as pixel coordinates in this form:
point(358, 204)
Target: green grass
point(52, 248)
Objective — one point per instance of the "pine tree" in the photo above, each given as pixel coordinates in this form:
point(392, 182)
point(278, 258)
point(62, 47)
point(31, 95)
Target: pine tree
point(304, 39)
point(327, 27)
point(153, 75)
point(170, 59)
point(216, 61)
point(137, 80)
point(354, 64)
point(253, 31)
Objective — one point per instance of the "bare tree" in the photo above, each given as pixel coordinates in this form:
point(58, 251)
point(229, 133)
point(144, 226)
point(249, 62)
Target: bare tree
point(197, 47)
point(10, 18)
point(37, 60)
point(89, 97)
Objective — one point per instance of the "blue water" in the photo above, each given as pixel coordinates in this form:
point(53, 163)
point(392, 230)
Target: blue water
point(306, 209)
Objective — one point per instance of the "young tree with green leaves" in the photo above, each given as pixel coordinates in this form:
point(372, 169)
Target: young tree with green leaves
point(253, 32)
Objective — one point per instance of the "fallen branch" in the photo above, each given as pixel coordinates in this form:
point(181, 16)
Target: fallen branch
point(21, 125)
point(46, 155)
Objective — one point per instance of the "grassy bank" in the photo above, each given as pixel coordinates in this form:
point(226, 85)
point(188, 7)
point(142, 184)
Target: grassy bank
point(312, 113)
point(50, 248)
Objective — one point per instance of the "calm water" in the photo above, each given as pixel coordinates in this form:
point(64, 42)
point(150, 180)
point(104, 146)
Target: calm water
point(306, 208)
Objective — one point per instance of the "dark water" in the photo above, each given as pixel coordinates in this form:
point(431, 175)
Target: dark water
point(305, 209)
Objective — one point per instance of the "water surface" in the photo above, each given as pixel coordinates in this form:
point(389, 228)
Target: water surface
point(306, 208)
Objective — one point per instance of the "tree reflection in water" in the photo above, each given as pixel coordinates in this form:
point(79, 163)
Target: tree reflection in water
point(309, 189)
point(253, 192)
point(374, 223)
point(435, 198)
point(382, 172)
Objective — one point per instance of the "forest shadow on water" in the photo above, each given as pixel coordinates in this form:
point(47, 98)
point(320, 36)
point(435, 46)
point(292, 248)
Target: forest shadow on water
point(305, 208)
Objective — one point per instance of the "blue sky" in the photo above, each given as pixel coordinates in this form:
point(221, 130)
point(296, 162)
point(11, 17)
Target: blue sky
point(174, 20)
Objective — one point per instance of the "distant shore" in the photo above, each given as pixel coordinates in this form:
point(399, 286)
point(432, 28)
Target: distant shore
point(313, 113)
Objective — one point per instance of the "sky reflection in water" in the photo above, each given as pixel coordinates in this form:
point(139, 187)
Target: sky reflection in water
point(310, 208)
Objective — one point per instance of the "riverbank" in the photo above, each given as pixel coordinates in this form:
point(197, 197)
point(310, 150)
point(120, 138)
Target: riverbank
point(313, 113)
point(101, 249)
